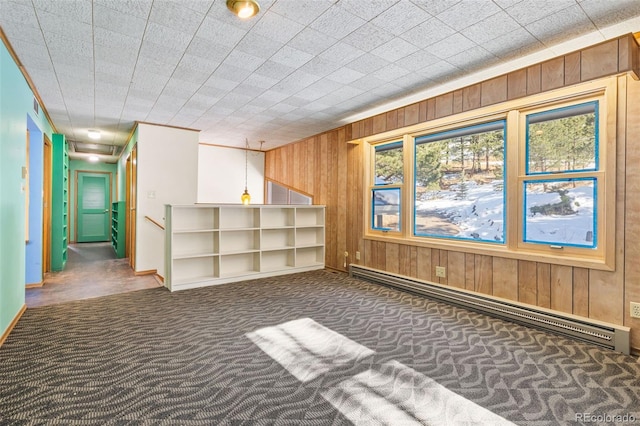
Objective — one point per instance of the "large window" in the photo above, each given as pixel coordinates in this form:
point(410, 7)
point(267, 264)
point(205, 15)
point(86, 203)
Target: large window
point(530, 179)
point(459, 183)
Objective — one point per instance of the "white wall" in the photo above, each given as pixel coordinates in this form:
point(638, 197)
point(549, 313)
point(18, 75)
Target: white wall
point(221, 172)
point(167, 174)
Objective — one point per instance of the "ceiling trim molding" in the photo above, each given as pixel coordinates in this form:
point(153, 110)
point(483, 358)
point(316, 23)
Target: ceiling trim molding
point(27, 77)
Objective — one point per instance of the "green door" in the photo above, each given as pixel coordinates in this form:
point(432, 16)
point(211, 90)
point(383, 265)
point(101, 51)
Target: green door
point(93, 207)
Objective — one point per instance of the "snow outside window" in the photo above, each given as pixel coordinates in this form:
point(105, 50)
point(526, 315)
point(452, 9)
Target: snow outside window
point(460, 183)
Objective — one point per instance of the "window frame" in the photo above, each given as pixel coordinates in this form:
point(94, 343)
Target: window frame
point(514, 112)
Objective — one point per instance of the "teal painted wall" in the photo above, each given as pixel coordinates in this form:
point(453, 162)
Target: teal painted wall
point(16, 102)
point(85, 166)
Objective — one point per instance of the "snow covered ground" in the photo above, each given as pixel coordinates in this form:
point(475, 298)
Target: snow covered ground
point(479, 213)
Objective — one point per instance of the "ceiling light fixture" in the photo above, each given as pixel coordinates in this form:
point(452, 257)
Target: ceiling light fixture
point(245, 197)
point(94, 134)
point(243, 8)
point(94, 158)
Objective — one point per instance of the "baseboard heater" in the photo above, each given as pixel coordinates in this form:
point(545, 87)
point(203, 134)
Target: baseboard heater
point(603, 334)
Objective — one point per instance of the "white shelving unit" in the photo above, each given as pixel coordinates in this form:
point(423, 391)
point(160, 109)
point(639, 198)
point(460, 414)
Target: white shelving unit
point(211, 244)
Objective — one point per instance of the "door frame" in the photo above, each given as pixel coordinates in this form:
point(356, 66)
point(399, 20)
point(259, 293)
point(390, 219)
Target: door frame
point(46, 203)
point(77, 195)
point(131, 183)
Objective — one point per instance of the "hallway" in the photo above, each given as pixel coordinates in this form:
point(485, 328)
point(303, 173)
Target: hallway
point(92, 270)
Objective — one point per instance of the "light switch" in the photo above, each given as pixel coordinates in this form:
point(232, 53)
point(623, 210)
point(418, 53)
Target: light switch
point(151, 194)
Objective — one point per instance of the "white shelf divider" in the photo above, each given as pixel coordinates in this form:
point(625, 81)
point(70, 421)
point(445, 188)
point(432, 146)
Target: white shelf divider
point(209, 244)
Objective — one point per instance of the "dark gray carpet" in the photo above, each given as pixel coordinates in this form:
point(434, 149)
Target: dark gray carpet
point(316, 348)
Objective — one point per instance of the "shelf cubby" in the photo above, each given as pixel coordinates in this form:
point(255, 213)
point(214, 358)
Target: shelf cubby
point(209, 244)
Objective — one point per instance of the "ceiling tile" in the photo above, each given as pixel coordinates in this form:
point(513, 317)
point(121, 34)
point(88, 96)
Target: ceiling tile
point(312, 41)
point(345, 75)
point(366, 10)
point(489, 28)
point(514, 43)
point(337, 22)
point(168, 37)
point(118, 22)
point(451, 46)
point(401, 17)
point(368, 37)
point(428, 33)
point(291, 57)
point(472, 59)
point(20, 13)
point(527, 12)
point(417, 60)
point(73, 10)
point(341, 53)
point(258, 46)
point(390, 72)
point(277, 27)
point(320, 66)
point(220, 32)
point(440, 70)
point(602, 14)
point(549, 29)
point(467, 13)
point(185, 73)
point(368, 63)
point(274, 70)
point(247, 62)
point(303, 12)
point(394, 50)
point(139, 8)
point(176, 15)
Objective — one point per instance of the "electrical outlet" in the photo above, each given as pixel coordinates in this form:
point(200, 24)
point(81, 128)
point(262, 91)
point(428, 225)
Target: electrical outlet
point(357, 255)
point(441, 271)
point(635, 310)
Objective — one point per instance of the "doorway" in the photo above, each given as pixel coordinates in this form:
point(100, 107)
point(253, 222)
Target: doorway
point(93, 207)
point(130, 201)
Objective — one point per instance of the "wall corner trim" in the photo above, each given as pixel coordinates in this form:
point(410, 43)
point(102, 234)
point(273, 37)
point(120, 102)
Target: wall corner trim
point(12, 324)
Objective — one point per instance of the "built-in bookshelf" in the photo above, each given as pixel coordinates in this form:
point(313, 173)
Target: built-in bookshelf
point(117, 228)
point(59, 202)
point(216, 244)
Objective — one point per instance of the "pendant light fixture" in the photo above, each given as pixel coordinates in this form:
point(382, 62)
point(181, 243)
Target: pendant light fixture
point(246, 198)
point(243, 8)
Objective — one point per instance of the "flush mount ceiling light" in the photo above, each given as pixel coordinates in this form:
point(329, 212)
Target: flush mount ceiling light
point(243, 8)
point(94, 134)
point(94, 158)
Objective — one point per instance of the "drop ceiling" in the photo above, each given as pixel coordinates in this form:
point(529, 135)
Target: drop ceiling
point(298, 68)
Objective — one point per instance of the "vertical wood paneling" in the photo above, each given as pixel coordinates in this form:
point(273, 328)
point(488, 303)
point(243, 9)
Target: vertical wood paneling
point(431, 109)
point(343, 192)
point(544, 285)
point(527, 282)
point(411, 113)
point(607, 298)
point(632, 211)
point(413, 254)
point(379, 123)
point(471, 97)
point(456, 269)
point(404, 259)
point(381, 255)
point(435, 261)
point(368, 254)
point(457, 101)
point(484, 274)
point(423, 261)
point(505, 278)
point(444, 260)
point(401, 122)
point(517, 84)
point(444, 105)
point(552, 74)
point(533, 79)
point(470, 271)
point(422, 111)
point(599, 60)
point(562, 288)
point(572, 68)
point(392, 120)
point(581, 291)
point(494, 91)
point(368, 127)
point(392, 252)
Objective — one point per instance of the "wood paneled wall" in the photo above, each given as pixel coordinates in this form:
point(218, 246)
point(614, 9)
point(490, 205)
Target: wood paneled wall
point(331, 169)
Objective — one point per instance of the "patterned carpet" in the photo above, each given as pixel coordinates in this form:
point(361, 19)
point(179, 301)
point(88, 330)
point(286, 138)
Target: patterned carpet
point(315, 348)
